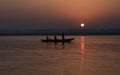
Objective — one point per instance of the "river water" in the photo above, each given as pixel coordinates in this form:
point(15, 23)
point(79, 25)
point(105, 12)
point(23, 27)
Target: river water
point(85, 55)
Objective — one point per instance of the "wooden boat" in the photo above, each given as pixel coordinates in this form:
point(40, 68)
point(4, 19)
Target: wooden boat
point(58, 40)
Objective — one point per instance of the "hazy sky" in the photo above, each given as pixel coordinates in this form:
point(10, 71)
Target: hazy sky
point(45, 14)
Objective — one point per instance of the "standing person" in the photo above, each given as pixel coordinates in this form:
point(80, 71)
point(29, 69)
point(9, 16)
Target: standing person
point(55, 38)
point(63, 37)
point(47, 38)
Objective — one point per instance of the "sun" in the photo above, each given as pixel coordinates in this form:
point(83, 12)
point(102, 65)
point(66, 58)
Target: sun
point(82, 25)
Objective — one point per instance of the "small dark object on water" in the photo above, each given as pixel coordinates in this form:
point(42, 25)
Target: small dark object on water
point(57, 40)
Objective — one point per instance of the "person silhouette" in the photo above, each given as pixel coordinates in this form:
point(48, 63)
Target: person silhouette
point(55, 38)
point(47, 38)
point(63, 37)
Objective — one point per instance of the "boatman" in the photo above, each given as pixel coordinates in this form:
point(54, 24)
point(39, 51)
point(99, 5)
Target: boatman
point(55, 38)
point(63, 37)
point(47, 38)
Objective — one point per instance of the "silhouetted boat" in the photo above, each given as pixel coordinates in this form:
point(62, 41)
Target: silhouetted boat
point(58, 40)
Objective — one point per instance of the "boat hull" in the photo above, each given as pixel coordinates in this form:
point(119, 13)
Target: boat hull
point(58, 40)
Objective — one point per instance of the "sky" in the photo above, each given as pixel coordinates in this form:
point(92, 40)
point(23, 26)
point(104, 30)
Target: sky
point(59, 14)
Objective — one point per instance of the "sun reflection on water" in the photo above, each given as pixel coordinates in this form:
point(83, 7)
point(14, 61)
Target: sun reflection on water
point(82, 49)
point(82, 44)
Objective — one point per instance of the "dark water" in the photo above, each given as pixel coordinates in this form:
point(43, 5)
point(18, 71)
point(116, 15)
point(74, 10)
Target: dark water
point(86, 55)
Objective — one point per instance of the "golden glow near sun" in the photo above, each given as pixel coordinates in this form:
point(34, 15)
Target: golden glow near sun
point(82, 25)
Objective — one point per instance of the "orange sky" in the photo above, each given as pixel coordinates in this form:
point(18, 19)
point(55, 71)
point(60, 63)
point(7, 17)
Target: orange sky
point(75, 10)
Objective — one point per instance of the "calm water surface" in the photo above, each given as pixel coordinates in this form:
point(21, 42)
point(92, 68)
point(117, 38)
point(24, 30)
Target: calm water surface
point(86, 55)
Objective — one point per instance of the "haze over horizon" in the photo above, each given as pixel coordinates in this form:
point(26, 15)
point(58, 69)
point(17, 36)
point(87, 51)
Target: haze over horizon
point(59, 14)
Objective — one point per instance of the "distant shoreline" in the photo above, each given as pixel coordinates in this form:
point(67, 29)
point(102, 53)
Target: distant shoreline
point(71, 32)
point(31, 34)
